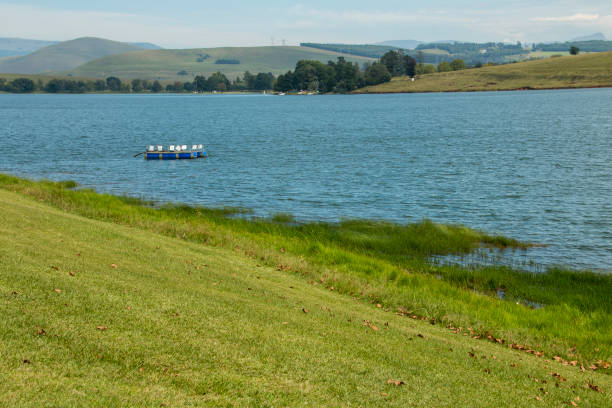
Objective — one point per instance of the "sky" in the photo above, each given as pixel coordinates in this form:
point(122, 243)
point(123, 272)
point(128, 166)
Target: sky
point(203, 23)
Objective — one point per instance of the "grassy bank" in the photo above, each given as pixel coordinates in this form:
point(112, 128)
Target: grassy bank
point(101, 314)
point(583, 71)
point(385, 264)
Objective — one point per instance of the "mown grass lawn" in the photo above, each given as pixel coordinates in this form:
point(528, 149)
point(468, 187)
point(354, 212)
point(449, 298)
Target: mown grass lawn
point(100, 314)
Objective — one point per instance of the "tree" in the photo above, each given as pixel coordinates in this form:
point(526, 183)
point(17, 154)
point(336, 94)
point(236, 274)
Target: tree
point(99, 85)
point(285, 82)
point(409, 65)
point(393, 61)
point(264, 81)
point(199, 83)
point(21, 85)
point(157, 87)
point(377, 73)
point(2, 84)
point(137, 85)
point(457, 64)
point(444, 67)
point(574, 50)
point(113, 83)
point(214, 81)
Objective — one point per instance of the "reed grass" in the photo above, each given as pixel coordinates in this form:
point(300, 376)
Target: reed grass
point(384, 263)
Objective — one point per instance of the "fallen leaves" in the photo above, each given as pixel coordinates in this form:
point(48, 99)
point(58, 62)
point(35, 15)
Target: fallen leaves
point(114, 266)
point(378, 305)
point(397, 383)
point(26, 361)
point(420, 335)
point(101, 328)
point(589, 385)
point(370, 325)
point(305, 311)
point(71, 273)
point(40, 331)
point(58, 290)
point(557, 375)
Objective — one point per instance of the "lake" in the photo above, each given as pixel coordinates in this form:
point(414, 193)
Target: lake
point(534, 165)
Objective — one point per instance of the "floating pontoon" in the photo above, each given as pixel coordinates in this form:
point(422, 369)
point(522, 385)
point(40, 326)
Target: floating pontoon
point(174, 152)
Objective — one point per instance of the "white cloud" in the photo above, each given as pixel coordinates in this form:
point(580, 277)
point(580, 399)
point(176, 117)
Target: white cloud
point(578, 17)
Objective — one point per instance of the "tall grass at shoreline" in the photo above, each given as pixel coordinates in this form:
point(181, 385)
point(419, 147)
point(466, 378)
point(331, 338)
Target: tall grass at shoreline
point(383, 263)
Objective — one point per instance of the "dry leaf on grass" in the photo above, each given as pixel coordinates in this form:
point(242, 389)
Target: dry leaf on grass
point(397, 383)
point(101, 328)
point(58, 290)
point(114, 266)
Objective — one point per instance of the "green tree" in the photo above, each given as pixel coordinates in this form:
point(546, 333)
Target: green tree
point(264, 81)
point(458, 64)
point(409, 65)
point(393, 61)
point(99, 85)
point(113, 83)
point(422, 69)
point(157, 87)
point(285, 83)
point(377, 73)
point(21, 85)
point(444, 67)
point(574, 50)
point(137, 85)
point(200, 83)
point(212, 84)
point(2, 84)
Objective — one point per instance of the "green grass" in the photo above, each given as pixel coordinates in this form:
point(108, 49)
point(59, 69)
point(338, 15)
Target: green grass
point(64, 56)
point(100, 314)
point(165, 64)
point(385, 263)
point(582, 71)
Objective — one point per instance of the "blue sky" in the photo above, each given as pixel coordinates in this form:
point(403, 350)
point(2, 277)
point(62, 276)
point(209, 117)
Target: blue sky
point(191, 23)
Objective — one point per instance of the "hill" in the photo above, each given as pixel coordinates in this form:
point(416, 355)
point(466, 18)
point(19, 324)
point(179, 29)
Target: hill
point(405, 44)
point(596, 36)
point(363, 50)
point(64, 56)
point(102, 313)
point(185, 64)
point(588, 70)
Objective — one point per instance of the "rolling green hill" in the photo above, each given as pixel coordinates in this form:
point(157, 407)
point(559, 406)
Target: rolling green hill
point(104, 312)
point(166, 64)
point(64, 56)
point(583, 71)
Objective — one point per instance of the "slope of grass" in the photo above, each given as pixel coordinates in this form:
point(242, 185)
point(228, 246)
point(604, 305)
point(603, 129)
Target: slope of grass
point(165, 64)
point(64, 56)
point(588, 70)
point(385, 264)
point(99, 314)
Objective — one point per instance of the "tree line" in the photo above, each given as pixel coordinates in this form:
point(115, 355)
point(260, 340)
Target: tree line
point(216, 82)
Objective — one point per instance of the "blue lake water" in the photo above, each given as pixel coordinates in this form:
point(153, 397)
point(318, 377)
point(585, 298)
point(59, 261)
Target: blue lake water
point(536, 166)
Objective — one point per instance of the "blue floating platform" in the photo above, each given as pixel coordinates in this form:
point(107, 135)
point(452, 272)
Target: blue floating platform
point(167, 155)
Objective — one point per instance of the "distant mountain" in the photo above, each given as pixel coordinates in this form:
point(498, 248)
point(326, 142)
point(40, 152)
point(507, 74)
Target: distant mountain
point(407, 44)
point(20, 46)
point(146, 46)
point(64, 56)
point(592, 37)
